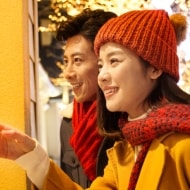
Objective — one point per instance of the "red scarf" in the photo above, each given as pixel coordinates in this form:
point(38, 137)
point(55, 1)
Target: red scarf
point(171, 117)
point(86, 139)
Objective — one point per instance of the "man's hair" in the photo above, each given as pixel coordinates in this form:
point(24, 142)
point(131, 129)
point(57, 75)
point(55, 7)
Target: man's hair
point(86, 23)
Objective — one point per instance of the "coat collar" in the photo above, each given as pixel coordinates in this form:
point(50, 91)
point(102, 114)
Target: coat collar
point(153, 164)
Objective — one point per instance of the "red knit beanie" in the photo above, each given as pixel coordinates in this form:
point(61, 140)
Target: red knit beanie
point(149, 33)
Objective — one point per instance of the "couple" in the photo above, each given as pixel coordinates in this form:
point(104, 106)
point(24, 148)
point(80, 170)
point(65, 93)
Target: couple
point(139, 105)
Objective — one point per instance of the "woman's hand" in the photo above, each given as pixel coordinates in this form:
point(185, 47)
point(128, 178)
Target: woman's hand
point(14, 143)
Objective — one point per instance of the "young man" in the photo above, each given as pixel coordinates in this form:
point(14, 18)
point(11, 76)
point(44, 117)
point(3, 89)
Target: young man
point(81, 143)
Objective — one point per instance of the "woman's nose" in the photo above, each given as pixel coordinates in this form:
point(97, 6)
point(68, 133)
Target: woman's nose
point(103, 76)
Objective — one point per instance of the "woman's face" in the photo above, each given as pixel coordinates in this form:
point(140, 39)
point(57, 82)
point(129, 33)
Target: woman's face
point(81, 69)
point(123, 80)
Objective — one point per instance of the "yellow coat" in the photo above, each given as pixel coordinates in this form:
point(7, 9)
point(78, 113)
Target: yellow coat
point(166, 167)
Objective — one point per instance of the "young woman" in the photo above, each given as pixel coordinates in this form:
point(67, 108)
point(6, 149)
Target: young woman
point(138, 74)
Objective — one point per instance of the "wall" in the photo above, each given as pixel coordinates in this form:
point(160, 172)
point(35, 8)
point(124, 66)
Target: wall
point(13, 85)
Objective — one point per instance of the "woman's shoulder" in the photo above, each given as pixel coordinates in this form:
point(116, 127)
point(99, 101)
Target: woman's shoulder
point(174, 140)
point(177, 145)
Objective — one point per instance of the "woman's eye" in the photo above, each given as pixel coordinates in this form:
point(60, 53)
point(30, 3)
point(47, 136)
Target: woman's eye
point(112, 61)
point(77, 60)
point(99, 67)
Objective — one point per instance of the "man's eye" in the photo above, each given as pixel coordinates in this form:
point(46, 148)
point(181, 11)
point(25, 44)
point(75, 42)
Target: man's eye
point(65, 62)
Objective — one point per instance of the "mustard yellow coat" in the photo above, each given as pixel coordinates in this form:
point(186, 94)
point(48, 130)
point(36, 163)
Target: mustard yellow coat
point(166, 167)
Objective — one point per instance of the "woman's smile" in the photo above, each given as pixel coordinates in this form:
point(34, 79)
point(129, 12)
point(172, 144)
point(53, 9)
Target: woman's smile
point(109, 91)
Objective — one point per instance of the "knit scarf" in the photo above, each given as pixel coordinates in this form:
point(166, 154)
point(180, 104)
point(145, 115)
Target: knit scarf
point(85, 139)
point(169, 117)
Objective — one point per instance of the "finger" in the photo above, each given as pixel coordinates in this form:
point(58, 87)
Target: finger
point(4, 126)
point(4, 147)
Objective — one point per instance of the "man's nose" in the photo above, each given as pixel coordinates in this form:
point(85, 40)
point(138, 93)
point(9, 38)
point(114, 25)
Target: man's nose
point(69, 72)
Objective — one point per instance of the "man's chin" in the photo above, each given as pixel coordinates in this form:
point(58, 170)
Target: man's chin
point(79, 99)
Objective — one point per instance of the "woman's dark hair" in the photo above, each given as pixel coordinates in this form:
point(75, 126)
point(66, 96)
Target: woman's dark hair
point(166, 89)
point(86, 23)
point(107, 121)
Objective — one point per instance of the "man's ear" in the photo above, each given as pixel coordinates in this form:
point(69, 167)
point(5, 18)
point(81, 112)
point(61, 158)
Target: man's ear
point(154, 73)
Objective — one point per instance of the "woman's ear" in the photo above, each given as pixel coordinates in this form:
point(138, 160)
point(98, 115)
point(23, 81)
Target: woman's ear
point(154, 73)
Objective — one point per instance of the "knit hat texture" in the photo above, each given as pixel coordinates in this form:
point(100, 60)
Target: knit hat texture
point(148, 33)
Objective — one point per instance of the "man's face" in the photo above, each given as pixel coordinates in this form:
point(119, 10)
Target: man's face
point(81, 69)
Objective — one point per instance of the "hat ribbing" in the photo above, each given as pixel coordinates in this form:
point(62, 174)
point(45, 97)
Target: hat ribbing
point(149, 33)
